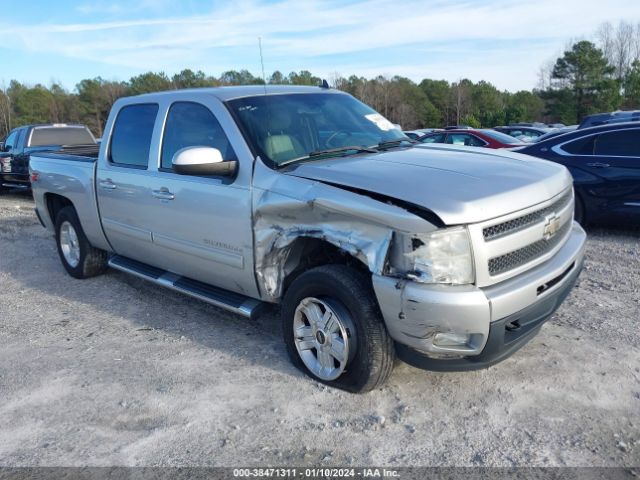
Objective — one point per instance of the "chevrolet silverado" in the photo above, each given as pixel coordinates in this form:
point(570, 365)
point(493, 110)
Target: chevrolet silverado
point(373, 247)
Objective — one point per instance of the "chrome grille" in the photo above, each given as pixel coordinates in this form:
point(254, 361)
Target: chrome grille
point(524, 255)
point(520, 223)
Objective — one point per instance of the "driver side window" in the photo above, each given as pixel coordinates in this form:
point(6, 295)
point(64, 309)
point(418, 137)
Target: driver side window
point(191, 124)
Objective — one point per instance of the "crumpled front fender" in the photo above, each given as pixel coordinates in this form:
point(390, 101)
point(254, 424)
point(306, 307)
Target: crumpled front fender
point(287, 208)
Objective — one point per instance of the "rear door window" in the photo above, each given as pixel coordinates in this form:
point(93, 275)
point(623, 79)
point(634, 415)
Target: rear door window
point(131, 136)
point(474, 141)
point(530, 134)
point(624, 143)
point(464, 139)
point(581, 146)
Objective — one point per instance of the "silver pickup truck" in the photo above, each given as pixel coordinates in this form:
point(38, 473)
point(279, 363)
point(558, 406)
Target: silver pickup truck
point(243, 197)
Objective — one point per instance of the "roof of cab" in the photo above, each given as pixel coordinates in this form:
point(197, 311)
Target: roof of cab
point(228, 93)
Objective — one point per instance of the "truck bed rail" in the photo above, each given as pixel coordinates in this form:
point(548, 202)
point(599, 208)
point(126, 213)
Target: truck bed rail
point(80, 153)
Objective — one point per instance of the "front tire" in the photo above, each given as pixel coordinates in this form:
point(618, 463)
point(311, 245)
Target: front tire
point(334, 331)
point(79, 258)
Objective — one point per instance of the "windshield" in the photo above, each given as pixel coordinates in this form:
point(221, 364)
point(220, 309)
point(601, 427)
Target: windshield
point(286, 128)
point(42, 136)
point(502, 137)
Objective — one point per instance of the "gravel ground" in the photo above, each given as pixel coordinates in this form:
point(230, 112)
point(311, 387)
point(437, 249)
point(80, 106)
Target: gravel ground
point(115, 371)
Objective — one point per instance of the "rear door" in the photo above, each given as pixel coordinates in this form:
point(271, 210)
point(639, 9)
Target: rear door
point(122, 183)
point(201, 225)
point(20, 155)
point(614, 157)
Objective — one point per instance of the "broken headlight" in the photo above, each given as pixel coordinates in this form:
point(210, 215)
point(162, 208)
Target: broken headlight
point(442, 256)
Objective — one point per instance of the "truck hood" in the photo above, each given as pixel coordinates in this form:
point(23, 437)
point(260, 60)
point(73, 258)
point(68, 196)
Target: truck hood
point(460, 185)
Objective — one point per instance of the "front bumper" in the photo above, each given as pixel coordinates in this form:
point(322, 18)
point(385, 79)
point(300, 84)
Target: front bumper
point(498, 319)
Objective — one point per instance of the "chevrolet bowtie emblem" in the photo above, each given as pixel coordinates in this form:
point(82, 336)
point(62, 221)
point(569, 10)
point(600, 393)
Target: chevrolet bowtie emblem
point(551, 226)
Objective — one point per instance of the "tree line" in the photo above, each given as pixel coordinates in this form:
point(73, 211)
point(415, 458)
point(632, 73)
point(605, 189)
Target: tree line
point(590, 76)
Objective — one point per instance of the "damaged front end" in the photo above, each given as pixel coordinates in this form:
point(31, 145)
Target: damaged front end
point(279, 222)
point(422, 275)
point(429, 300)
point(443, 256)
point(287, 209)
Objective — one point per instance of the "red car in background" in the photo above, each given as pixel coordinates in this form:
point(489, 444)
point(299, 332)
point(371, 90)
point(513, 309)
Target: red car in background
point(474, 138)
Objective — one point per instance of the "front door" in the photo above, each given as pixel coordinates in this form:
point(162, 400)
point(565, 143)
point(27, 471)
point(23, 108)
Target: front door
point(201, 225)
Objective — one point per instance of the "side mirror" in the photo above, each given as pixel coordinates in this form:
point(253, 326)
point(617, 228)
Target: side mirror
point(202, 161)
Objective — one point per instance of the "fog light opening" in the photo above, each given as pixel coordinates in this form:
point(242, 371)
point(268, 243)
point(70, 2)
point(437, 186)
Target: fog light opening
point(451, 339)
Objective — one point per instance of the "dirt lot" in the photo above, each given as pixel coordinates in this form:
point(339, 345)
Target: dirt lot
point(115, 371)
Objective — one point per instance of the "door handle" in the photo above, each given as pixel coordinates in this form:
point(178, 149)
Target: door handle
point(163, 194)
point(597, 165)
point(108, 184)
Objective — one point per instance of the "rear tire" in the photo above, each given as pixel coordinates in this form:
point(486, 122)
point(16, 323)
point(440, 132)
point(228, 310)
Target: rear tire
point(347, 345)
point(79, 258)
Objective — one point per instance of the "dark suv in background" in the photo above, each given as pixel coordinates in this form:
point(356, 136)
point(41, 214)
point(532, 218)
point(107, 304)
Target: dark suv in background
point(23, 141)
point(611, 117)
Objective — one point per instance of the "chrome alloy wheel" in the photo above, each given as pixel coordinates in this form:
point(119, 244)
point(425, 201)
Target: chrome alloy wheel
point(69, 244)
point(324, 337)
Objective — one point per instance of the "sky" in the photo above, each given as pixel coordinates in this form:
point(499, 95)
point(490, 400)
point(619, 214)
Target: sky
point(504, 42)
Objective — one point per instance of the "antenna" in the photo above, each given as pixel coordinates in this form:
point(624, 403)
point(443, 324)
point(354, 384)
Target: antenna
point(264, 78)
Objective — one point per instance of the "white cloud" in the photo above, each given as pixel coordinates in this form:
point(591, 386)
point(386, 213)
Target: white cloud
point(513, 37)
point(101, 7)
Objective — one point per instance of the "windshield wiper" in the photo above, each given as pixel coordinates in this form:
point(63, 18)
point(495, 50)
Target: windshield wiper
point(394, 143)
point(353, 149)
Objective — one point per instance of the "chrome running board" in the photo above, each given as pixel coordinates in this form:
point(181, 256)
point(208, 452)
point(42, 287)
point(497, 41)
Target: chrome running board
point(231, 301)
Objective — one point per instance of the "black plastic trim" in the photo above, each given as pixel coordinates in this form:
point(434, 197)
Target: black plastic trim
point(39, 217)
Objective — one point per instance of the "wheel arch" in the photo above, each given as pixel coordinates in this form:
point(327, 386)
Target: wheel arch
point(56, 202)
point(307, 252)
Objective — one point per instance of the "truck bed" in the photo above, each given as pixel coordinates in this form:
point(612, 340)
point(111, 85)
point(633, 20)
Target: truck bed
point(69, 173)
